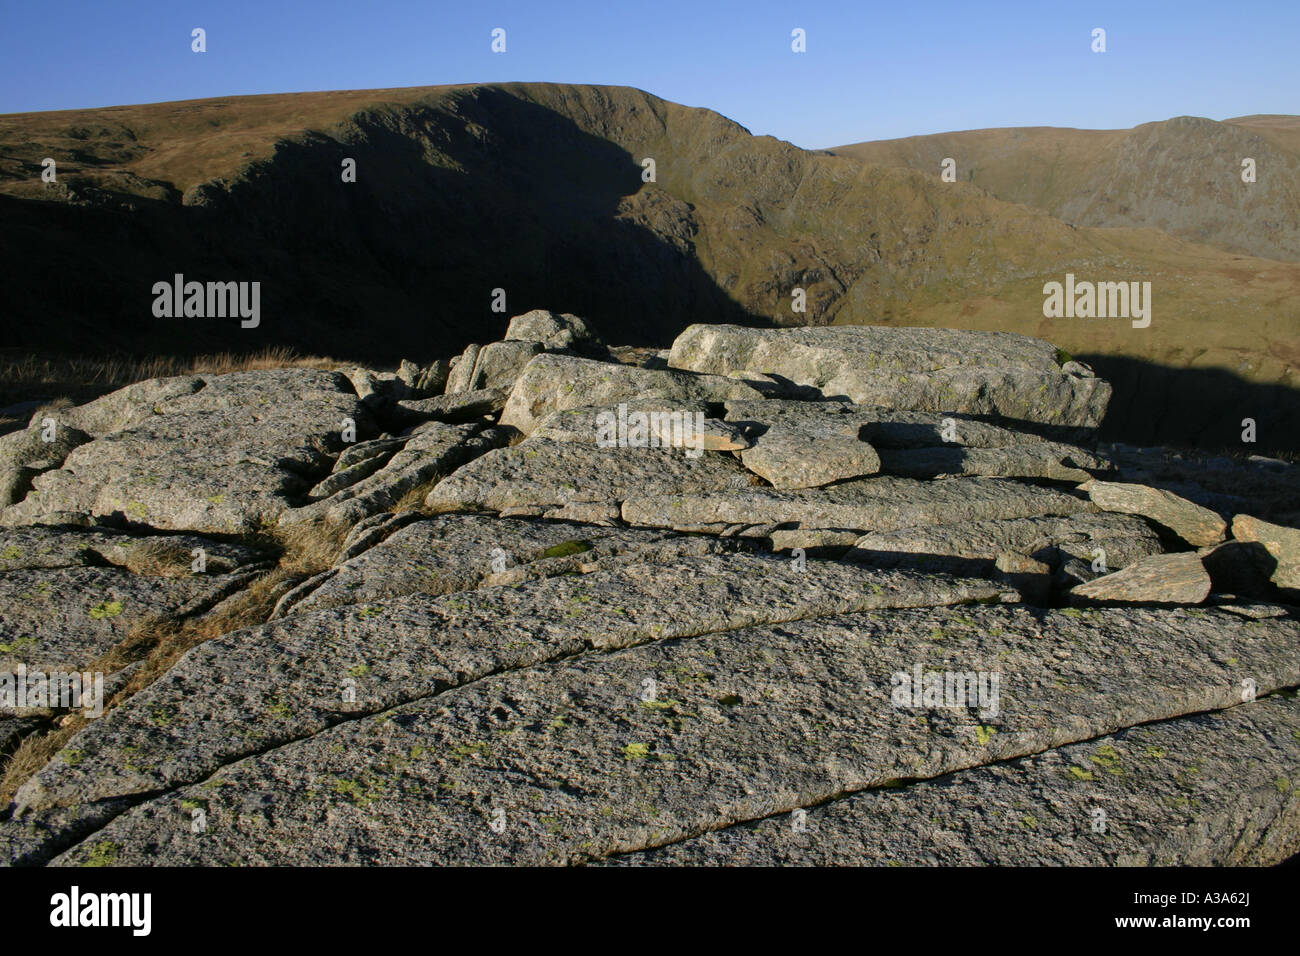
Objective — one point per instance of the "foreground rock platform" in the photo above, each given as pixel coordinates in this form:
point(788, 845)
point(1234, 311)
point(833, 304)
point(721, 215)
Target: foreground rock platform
point(807, 597)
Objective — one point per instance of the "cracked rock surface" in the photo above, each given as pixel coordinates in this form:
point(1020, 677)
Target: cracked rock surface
point(847, 596)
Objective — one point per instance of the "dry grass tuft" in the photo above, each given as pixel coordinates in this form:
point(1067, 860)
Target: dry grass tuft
point(413, 500)
point(34, 753)
point(159, 642)
point(305, 550)
point(79, 379)
point(41, 370)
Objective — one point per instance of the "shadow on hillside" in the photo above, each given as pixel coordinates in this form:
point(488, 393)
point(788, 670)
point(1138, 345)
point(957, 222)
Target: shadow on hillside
point(1203, 408)
point(450, 203)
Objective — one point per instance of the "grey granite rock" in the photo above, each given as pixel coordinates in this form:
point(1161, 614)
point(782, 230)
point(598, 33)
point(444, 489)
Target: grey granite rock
point(296, 676)
point(584, 758)
point(545, 474)
point(1050, 460)
point(24, 454)
point(462, 406)
point(553, 331)
point(1281, 543)
point(461, 371)
point(450, 553)
point(1147, 796)
point(1196, 525)
point(1160, 579)
point(226, 455)
point(1112, 541)
point(173, 555)
point(867, 504)
point(590, 424)
point(498, 365)
point(64, 618)
point(551, 383)
point(984, 373)
point(437, 451)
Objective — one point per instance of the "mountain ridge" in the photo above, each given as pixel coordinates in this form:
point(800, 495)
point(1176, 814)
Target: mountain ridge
point(1093, 177)
point(537, 189)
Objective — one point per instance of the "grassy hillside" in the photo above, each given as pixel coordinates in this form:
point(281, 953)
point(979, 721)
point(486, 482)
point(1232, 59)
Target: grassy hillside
point(538, 189)
point(1182, 176)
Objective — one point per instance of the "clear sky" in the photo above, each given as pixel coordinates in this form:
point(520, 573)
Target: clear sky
point(872, 70)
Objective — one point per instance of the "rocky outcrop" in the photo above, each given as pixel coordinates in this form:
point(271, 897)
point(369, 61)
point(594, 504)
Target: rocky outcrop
point(943, 370)
point(226, 454)
point(629, 614)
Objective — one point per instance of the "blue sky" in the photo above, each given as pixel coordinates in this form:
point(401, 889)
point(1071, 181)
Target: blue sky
point(872, 70)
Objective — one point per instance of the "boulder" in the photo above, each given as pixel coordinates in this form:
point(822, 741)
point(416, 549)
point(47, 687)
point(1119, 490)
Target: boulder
point(1195, 525)
point(462, 406)
point(498, 365)
point(551, 330)
point(789, 458)
point(1160, 579)
point(1282, 544)
point(940, 370)
point(408, 372)
point(433, 379)
point(640, 422)
point(461, 372)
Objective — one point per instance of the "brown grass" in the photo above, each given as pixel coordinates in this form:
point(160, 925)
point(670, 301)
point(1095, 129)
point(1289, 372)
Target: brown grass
point(413, 500)
point(34, 753)
point(26, 376)
point(36, 369)
point(161, 641)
